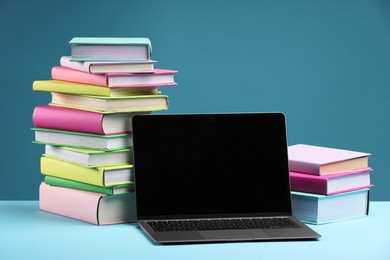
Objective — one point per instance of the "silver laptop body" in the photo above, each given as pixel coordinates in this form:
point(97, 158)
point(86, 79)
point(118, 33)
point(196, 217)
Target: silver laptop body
point(216, 170)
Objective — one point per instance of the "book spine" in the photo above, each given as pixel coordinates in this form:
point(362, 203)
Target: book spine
point(76, 204)
point(68, 119)
point(65, 170)
point(304, 167)
point(312, 185)
point(72, 75)
point(60, 86)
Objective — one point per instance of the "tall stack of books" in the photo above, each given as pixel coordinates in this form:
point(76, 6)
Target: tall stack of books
point(328, 184)
point(86, 128)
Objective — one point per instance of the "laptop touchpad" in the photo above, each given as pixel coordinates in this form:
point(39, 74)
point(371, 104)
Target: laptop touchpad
point(234, 234)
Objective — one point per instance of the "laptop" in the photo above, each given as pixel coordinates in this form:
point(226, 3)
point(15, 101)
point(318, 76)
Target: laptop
point(214, 178)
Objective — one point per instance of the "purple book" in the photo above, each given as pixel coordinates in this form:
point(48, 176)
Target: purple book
point(318, 160)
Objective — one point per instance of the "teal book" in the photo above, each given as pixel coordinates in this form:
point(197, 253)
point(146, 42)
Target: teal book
point(60, 182)
point(321, 209)
point(110, 49)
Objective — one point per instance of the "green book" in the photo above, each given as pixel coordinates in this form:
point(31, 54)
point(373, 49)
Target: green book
point(119, 189)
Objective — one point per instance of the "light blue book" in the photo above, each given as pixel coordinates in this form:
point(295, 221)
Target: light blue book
point(110, 49)
point(320, 209)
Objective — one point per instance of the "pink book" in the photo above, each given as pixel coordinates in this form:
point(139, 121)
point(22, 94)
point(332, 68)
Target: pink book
point(159, 77)
point(91, 207)
point(331, 183)
point(69, 119)
point(320, 160)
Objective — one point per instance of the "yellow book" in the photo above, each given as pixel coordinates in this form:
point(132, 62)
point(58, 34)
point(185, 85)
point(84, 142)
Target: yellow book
point(105, 176)
point(84, 89)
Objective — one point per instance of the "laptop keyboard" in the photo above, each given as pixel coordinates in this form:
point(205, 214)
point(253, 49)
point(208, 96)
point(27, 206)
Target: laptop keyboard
point(221, 224)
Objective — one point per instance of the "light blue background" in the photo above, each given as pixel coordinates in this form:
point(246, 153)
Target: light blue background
point(325, 64)
point(28, 233)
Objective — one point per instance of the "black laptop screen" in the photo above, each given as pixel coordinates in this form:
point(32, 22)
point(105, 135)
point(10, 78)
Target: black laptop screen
point(211, 164)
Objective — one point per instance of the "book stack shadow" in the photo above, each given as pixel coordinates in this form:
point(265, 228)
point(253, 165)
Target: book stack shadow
point(86, 128)
point(328, 184)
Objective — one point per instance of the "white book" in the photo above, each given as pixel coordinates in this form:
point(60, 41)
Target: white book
point(104, 67)
point(83, 140)
point(90, 157)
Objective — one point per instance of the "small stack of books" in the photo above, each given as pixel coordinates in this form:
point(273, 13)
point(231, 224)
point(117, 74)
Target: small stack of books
point(86, 128)
point(328, 184)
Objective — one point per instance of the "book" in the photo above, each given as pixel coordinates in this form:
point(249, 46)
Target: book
point(330, 184)
point(103, 67)
point(104, 176)
point(60, 86)
point(69, 119)
point(110, 48)
point(320, 160)
point(320, 209)
point(90, 157)
point(82, 140)
point(139, 103)
point(91, 207)
point(114, 190)
point(159, 77)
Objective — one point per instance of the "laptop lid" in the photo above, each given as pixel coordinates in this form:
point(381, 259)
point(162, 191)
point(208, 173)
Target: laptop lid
point(211, 165)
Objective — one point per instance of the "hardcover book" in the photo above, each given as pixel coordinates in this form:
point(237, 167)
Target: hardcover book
point(321, 209)
point(68, 119)
point(90, 157)
point(138, 103)
point(91, 207)
point(320, 160)
point(114, 190)
point(99, 67)
point(331, 183)
point(159, 77)
point(104, 176)
point(68, 87)
point(82, 140)
point(110, 48)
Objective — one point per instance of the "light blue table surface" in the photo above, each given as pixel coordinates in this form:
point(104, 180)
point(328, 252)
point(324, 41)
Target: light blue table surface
point(28, 233)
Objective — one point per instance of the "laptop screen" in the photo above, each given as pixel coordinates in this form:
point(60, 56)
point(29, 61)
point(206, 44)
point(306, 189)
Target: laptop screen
point(205, 165)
